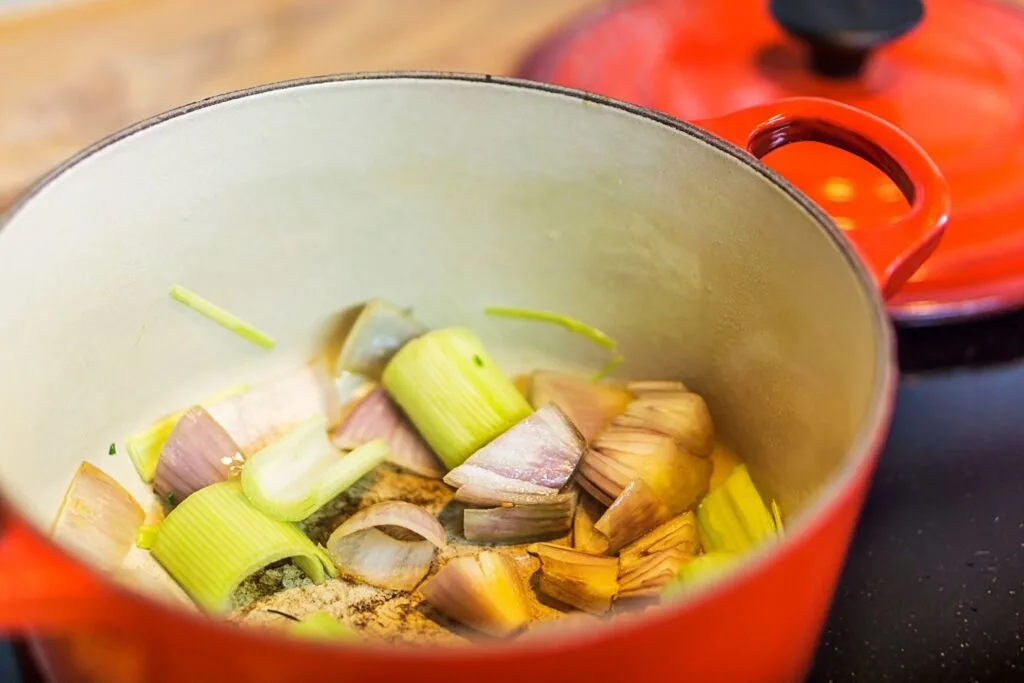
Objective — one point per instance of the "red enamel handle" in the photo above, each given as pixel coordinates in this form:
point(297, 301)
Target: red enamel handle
point(892, 252)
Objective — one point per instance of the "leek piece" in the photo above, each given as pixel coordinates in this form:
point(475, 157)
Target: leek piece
point(144, 447)
point(321, 626)
point(695, 572)
point(223, 318)
point(608, 368)
point(215, 538)
point(572, 324)
point(144, 536)
point(777, 517)
point(453, 392)
point(300, 472)
point(733, 518)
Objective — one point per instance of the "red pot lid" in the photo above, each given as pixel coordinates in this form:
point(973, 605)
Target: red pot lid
point(952, 78)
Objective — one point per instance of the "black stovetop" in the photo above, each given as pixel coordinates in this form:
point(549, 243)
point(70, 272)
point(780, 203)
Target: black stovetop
point(933, 589)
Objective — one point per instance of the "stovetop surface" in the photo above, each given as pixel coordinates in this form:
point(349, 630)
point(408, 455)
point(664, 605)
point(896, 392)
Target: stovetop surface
point(933, 589)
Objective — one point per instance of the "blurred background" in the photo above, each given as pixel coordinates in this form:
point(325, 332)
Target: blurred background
point(933, 587)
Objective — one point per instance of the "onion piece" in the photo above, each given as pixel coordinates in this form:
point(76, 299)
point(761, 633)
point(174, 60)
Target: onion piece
point(582, 580)
point(590, 406)
point(197, 453)
point(368, 554)
point(684, 416)
point(379, 331)
point(257, 417)
point(215, 539)
point(585, 536)
point(302, 471)
point(537, 455)
point(97, 519)
point(481, 496)
point(377, 417)
point(453, 392)
point(636, 511)
point(536, 521)
point(651, 573)
point(481, 591)
point(679, 532)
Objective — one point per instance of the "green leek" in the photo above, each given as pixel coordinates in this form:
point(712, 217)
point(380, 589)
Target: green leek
point(321, 626)
point(144, 448)
point(215, 538)
point(227, 320)
point(572, 324)
point(733, 518)
point(300, 472)
point(695, 572)
point(144, 536)
point(453, 392)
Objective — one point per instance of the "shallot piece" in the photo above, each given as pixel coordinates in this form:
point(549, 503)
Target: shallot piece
point(97, 519)
point(198, 452)
point(481, 591)
point(651, 573)
point(377, 334)
point(681, 415)
point(537, 455)
point(364, 552)
point(545, 518)
point(377, 417)
point(582, 580)
point(636, 511)
point(679, 532)
point(257, 417)
point(585, 536)
point(589, 405)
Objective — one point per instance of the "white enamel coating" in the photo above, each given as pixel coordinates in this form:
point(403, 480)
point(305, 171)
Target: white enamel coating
point(289, 205)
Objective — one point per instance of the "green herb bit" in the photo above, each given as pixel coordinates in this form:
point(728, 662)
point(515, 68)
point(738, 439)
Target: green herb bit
point(572, 324)
point(112, 450)
point(221, 317)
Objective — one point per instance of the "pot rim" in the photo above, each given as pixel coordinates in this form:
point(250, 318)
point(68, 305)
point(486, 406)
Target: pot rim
point(862, 454)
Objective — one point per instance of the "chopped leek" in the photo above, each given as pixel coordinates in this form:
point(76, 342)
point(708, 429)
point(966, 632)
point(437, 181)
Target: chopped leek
point(144, 447)
point(695, 572)
point(608, 368)
point(215, 538)
point(572, 324)
point(453, 392)
point(144, 537)
point(220, 316)
point(321, 626)
point(300, 472)
point(734, 518)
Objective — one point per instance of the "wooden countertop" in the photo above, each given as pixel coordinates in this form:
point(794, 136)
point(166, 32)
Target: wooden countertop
point(77, 71)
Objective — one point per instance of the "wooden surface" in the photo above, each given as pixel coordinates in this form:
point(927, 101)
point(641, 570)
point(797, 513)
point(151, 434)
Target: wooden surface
point(76, 72)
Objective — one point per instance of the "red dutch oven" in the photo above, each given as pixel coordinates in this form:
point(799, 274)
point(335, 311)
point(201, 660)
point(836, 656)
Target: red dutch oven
point(445, 192)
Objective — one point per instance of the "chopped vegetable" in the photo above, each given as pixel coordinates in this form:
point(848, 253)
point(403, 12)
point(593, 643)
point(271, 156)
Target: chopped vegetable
point(636, 511)
point(678, 532)
point(322, 626)
point(377, 334)
point(591, 407)
point(97, 519)
point(695, 572)
point(582, 580)
point(723, 460)
point(651, 573)
point(299, 473)
point(734, 517)
point(218, 315)
point(608, 368)
point(585, 536)
point(144, 537)
point(483, 592)
point(144, 448)
point(537, 455)
point(257, 417)
point(215, 538)
point(453, 392)
point(112, 450)
point(366, 553)
point(542, 519)
point(682, 415)
point(777, 518)
point(197, 453)
point(572, 324)
point(377, 417)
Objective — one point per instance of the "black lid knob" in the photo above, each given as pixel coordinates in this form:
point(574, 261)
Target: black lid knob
point(841, 34)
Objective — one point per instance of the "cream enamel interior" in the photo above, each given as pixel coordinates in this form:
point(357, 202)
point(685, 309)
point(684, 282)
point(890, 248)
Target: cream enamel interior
point(289, 205)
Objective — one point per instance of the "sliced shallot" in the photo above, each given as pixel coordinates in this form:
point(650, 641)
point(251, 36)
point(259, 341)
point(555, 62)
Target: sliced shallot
point(377, 334)
point(585, 581)
point(198, 452)
point(537, 455)
point(484, 592)
point(97, 519)
point(546, 518)
point(636, 511)
point(590, 406)
point(585, 536)
point(651, 573)
point(377, 417)
point(366, 553)
point(259, 416)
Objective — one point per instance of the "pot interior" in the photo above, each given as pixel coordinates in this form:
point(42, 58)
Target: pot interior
point(293, 204)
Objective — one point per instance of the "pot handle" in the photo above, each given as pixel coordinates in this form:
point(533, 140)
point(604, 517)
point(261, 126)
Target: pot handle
point(892, 252)
point(41, 590)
